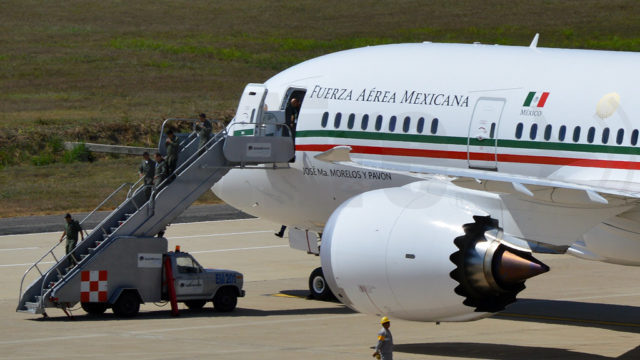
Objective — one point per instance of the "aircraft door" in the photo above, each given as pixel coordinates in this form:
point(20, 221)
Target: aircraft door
point(249, 109)
point(482, 139)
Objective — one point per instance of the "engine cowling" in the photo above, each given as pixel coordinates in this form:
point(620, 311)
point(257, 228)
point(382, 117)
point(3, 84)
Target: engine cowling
point(421, 252)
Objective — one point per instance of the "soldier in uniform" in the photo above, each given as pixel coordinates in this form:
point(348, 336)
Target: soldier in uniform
point(71, 230)
point(384, 348)
point(147, 170)
point(204, 129)
point(161, 172)
point(173, 148)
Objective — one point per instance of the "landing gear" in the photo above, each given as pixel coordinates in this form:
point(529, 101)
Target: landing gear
point(318, 286)
point(94, 308)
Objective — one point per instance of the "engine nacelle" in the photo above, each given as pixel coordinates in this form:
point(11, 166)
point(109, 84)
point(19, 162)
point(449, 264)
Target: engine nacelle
point(421, 252)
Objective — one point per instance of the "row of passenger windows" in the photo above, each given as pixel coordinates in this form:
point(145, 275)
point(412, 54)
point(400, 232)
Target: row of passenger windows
point(393, 120)
point(562, 133)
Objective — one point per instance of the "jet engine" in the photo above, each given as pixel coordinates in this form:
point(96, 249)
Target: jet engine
point(422, 252)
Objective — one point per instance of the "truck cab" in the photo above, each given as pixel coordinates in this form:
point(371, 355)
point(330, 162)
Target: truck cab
point(195, 285)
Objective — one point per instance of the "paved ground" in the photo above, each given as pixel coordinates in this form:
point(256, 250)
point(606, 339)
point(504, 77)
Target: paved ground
point(36, 224)
point(580, 310)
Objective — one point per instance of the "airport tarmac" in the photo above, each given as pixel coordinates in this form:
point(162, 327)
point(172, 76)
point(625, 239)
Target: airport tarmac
point(579, 310)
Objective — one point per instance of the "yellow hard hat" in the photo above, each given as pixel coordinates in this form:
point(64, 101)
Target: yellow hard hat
point(384, 320)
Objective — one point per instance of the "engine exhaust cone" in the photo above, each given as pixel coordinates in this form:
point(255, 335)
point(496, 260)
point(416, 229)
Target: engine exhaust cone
point(511, 268)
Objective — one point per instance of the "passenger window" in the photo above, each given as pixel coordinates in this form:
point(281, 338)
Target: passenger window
point(533, 132)
point(634, 137)
point(519, 129)
point(620, 136)
point(406, 124)
point(605, 135)
point(562, 133)
point(492, 132)
point(392, 124)
point(591, 134)
point(351, 121)
point(378, 122)
point(420, 126)
point(325, 119)
point(576, 134)
point(336, 121)
point(434, 125)
point(547, 132)
point(365, 122)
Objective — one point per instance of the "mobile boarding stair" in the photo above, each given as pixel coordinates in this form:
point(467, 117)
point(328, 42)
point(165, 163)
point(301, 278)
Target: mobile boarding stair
point(197, 172)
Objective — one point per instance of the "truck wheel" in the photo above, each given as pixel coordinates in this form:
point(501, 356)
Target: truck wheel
point(318, 285)
point(94, 308)
point(225, 299)
point(127, 305)
point(195, 304)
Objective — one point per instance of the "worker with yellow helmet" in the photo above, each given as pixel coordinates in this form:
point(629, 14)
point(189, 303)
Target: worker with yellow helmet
point(384, 349)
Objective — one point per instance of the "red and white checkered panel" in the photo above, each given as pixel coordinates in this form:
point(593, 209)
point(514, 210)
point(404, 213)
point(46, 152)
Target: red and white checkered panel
point(93, 286)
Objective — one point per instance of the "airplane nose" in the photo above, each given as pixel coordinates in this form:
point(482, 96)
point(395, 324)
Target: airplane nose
point(512, 268)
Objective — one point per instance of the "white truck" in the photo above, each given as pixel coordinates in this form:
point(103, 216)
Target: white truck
point(133, 270)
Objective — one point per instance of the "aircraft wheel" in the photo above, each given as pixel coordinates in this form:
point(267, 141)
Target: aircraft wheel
point(318, 286)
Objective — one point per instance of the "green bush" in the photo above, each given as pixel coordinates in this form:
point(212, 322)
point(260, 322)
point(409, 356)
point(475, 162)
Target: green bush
point(78, 153)
point(43, 159)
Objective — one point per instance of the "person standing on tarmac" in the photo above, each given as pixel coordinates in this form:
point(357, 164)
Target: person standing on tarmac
point(384, 348)
point(147, 170)
point(71, 230)
point(173, 148)
point(203, 128)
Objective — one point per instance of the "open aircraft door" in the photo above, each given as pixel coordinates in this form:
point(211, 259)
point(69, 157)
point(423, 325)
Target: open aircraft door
point(482, 140)
point(249, 109)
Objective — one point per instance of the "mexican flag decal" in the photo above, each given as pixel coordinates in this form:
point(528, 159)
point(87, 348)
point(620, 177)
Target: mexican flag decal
point(536, 99)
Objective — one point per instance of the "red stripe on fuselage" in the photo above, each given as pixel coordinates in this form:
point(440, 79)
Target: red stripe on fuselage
point(462, 155)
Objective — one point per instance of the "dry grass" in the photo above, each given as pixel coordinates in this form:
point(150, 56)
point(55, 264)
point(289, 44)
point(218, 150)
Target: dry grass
point(109, 71)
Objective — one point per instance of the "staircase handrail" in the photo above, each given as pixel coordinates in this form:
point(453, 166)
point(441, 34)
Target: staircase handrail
point(214, 139)
point(50, 251)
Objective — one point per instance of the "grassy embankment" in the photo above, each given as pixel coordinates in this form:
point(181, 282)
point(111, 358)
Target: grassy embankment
point(111, 71)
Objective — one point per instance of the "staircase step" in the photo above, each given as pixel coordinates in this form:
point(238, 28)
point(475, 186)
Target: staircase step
point(105, 236)
point(113, 229)
point(120, 222)
point(127, 216)
point(83, 256)
point(99, 242)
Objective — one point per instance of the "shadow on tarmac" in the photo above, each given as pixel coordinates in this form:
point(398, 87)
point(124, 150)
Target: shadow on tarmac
point(503, 352)
point(573, 313)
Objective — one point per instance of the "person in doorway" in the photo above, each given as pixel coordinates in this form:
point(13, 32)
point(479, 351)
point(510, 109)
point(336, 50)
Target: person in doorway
point(71, 230)
point(384, 348)
point(294, 112)
point(147, 170)
point(203, 128)
point(173, 148)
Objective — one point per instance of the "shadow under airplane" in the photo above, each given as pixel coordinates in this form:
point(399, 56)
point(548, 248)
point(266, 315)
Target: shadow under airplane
point(605, 316)
point(504, 352)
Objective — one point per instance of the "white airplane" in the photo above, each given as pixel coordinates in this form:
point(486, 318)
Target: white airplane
point(432, 172)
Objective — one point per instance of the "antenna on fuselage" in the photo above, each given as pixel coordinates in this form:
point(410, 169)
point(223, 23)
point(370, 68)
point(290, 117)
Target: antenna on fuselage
point(534, 42)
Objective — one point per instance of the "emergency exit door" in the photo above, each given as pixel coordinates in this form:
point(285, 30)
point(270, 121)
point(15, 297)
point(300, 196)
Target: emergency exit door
point(483, 129)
